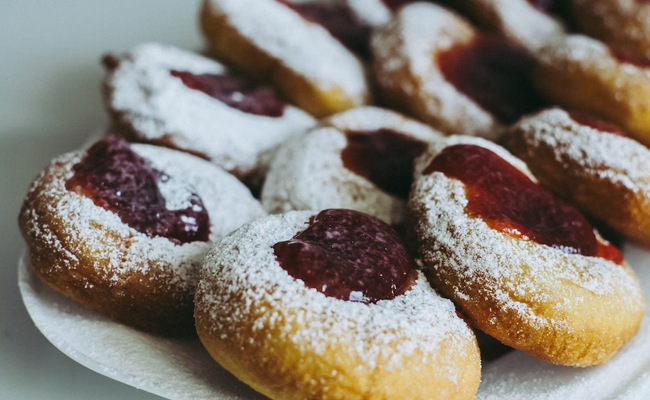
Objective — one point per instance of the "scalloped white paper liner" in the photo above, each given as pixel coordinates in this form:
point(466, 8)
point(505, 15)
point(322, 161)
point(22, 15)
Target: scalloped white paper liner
point(177, 369)
point(180, 369)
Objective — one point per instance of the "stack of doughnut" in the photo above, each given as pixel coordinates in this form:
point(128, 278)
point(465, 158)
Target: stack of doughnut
point(339, 193)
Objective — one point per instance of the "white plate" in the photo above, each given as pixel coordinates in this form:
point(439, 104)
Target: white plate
point(183, 370)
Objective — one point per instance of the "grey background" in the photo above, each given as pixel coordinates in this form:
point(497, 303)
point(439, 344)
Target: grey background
point(49, 104)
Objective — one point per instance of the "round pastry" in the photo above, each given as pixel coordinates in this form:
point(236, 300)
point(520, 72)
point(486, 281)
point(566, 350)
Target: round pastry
point(305, 306)
point(167, 96)
point(123, 228)
point(271, 41)
point(623, 24)
point(363, 160)
point(580, 73)
point(522, 266)
point(432, 64)
point(589, 163)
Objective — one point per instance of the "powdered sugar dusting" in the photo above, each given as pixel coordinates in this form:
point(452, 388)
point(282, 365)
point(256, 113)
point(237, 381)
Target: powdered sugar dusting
point(158, 107)
point(372, 12)
point(308, 174)
point(306, 48)
point(242, 271)
point(371, 118)
point(518, 20)
point(117, 249)
point(405, 62)
point(517, 275)
point(592, 55)
point(594, 154)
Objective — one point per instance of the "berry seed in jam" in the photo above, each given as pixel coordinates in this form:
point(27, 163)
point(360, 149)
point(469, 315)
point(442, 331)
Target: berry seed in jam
point(508, 201)
point(338, 21)
point(350, 256)
point(235, 91)
point(119, 180)
point(384, 157)
point(493, 72)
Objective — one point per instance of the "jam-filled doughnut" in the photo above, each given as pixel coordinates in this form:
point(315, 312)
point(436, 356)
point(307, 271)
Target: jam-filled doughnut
point(122, 229)
point(522, 266)
point(361, 159)
point(589, 163)
point(270, 40)
point(622, 24)
point(580, 73)
point(167, 96)
point(432, 64)
point(328, 306)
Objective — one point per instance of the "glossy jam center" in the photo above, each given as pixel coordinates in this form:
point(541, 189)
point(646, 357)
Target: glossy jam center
point(384, 157)
point(508, 201)
point(592, 121)
point(119, 180)
point(236, 92)
point(338, 20)
point(348, 255)
point(494, 73)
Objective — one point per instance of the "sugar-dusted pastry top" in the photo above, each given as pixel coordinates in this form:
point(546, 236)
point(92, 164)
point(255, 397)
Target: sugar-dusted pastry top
point(432, 64)
point(123, 228)
point(532, 296)
point(360, 159)
point(271, 40)
point(168, 96)
point(244, 269)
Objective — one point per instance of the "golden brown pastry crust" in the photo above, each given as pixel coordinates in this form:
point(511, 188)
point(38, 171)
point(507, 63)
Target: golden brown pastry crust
point(320, 94)
point(581, 73)
point(562, 308)
point(86, 253)
point(291, 342)
point(605, 175)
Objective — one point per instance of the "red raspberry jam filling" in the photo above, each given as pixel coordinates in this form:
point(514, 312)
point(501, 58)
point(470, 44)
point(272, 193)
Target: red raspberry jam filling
point(235, 91)
point(493, 72)
point(119, 180)
point(384, 157)
point(350, 256)
point(592, 121)
point(338, 20)
point(508, 201)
